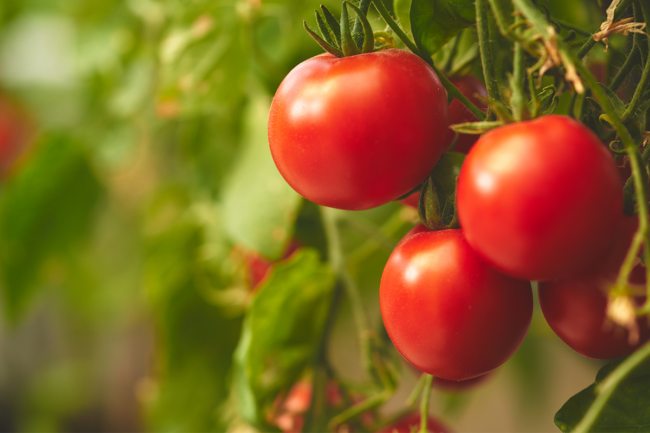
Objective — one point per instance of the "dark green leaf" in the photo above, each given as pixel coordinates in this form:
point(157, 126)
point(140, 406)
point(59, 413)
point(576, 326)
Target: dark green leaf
point(435, 22)
point(619, 106)
point(282, 332)
point(46, 209)
point(628, 409)
point(403, 13)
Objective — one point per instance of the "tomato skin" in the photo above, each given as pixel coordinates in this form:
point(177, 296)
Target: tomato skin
point(455, 385)
point(539, 200)
point(469, 86)
point(449, 313)
point(405, 424)
point(575, 308)
point(357, 132)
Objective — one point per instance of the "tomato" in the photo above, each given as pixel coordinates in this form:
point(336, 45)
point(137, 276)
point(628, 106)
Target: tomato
point(539, 200)
point(575, 308)
point(14, 134)
point(420, 228)
point(449, 313)
point(406, 425)
point(469, 86)
point(357, 132)
point(454, 385)
point(411, 200)
point(259, 266)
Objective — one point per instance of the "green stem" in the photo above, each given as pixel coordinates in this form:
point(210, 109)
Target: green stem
point(608, 386)
point(485, 48)
point(518, 102)
point(639, 93)
point(448, 85)
point(424, 404)
point(357, 30)
point(501, 18)
point(454, 49)
point(591, 42)
point(417, 390)
point(359, 408)
point(631, 60)
point(335, 253)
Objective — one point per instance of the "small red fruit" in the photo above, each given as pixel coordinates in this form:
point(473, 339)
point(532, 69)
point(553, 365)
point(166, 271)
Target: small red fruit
point(412, 421)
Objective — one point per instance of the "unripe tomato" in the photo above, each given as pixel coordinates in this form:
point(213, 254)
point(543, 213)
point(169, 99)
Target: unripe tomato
point(449, 313)
point(539, 200)
point(357, 132)
point(412, 421)
point(576, 307)
point(469, 86)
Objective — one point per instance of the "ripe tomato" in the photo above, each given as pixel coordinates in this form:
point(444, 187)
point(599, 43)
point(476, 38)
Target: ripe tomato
point(454, 385)
point(446, 311)
point(14, 134)
point(357, 132)
point(539, 200)
point(575, 308)
point(406, 425)
point(469, 86)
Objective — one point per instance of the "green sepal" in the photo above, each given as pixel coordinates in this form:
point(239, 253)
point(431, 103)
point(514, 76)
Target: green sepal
point(324, 45)
point(368, 37)
point(325, 31)
point(545, 102)
point(476, 127)
point(347, 43)
point(437, 204)
point(333, 24)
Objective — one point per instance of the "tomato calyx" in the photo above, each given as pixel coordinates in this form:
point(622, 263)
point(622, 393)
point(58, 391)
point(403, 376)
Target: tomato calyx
point(437, 202)
point(337, 38)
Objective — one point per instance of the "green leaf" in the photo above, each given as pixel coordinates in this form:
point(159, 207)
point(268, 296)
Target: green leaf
point(628, 409)
point(402, 10)
point(46, 209)
point(619, 106)
point(195, 336)
point(259, 206)
point(476, 127)
point(282, 332)
point(435, 22)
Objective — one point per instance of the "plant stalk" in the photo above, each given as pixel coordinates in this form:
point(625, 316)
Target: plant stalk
point(424, 403)
point(485, 49)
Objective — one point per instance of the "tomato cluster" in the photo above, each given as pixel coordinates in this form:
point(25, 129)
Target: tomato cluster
point(538, 200)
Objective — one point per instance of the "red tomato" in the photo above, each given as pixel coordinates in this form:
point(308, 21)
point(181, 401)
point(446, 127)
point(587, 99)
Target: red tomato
point(446, 311)
point(412, 420)
point(420, 228)
point(539, 200)
point(357, 132)
point(575, 308)
point(454, 385)
point(14, 134)
point(411, 200)
point(469, 86)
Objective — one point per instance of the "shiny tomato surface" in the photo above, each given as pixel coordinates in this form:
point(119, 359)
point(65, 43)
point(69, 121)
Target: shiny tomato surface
point(539, 200)
point(469, 86)
point(449, 313)
point(576, 308)
point(412, 421)
point(357, 132)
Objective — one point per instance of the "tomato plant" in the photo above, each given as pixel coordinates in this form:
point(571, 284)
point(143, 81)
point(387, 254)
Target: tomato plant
point(540, 199)
point(259, 266)
point(576, 307)
point(357, 132)
point(434, 281)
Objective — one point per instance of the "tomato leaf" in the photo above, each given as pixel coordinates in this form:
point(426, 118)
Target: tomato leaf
point(259, 206)
point(476, 127)
point(628, 409)
point(619, 106)
point(282, 332)
point(46, 210)
point(435, 22)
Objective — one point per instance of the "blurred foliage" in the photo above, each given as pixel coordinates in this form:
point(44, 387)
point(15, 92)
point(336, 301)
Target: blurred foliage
point(125, 227)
